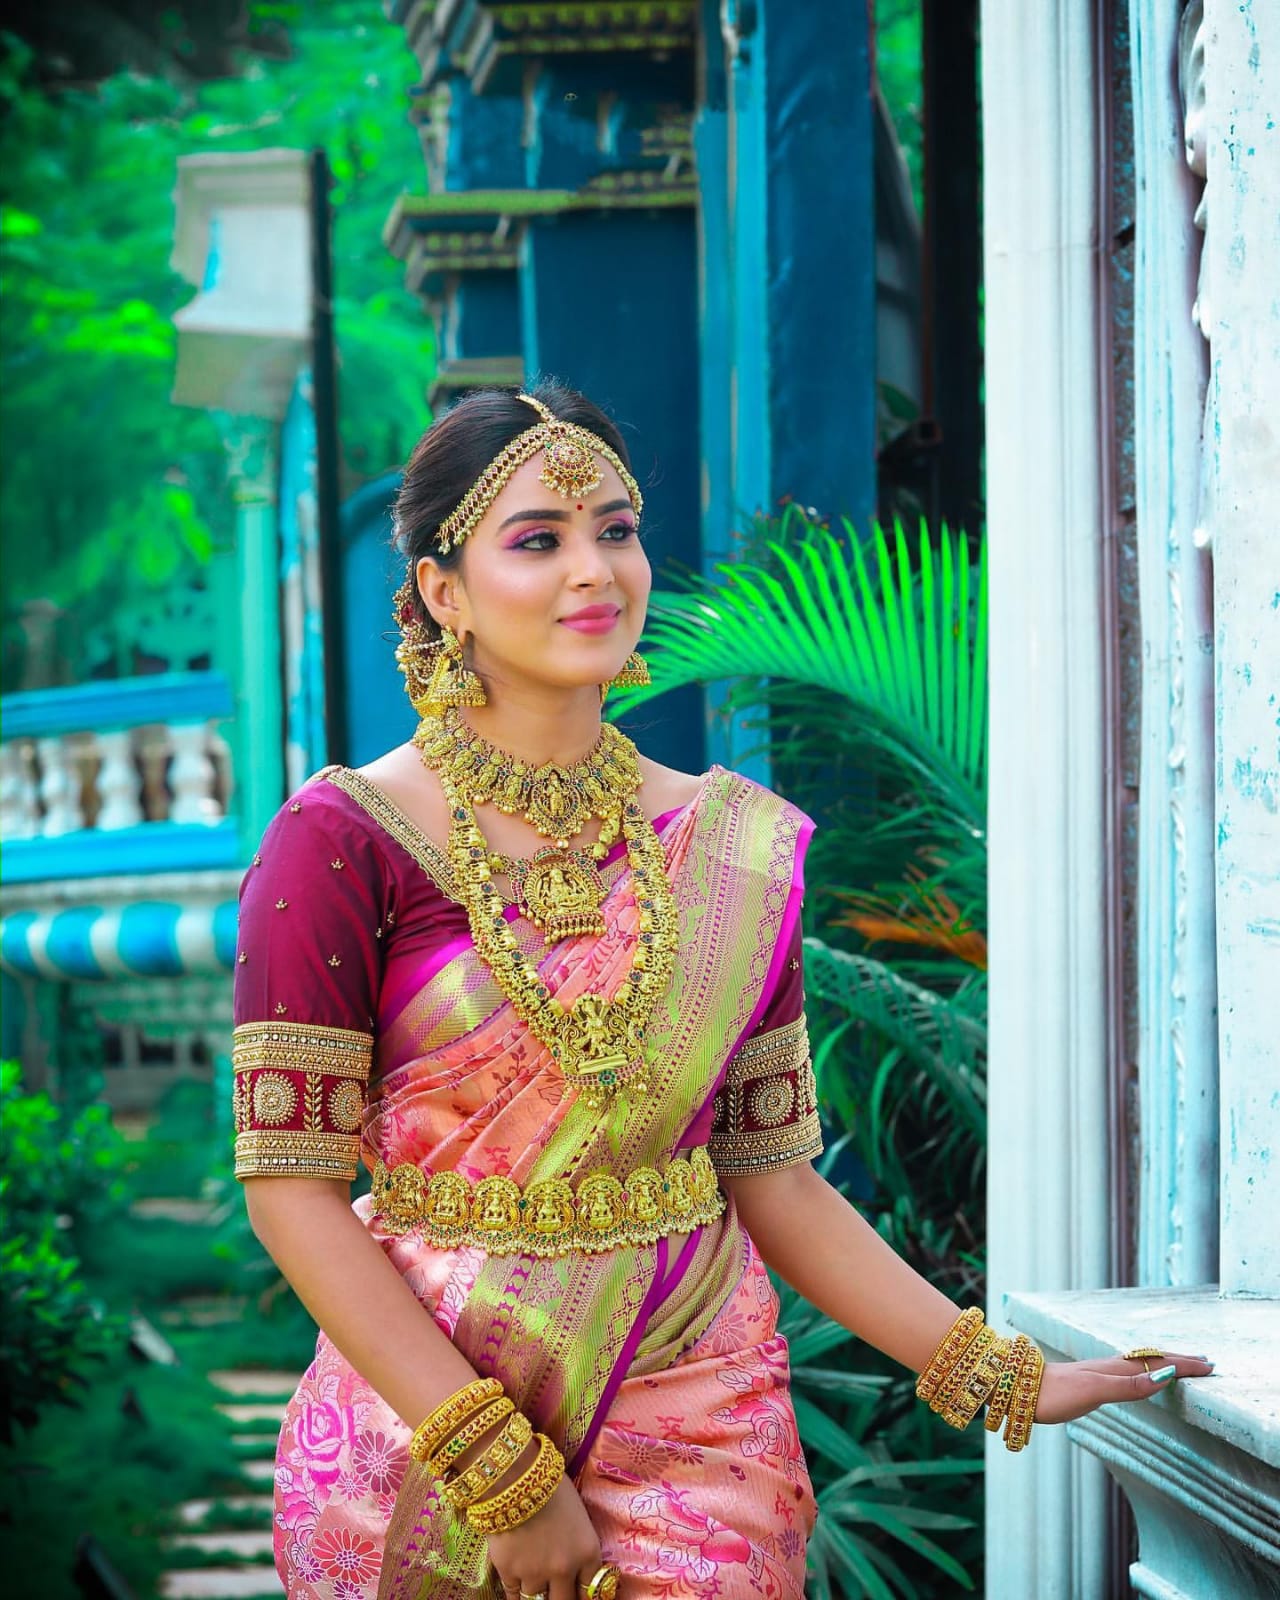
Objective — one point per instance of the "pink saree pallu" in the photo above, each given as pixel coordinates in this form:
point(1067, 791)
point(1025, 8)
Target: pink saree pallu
point(639, 1326)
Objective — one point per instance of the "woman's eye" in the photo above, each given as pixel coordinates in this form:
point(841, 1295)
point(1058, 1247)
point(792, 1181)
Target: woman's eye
point(542, 539)
point(618, 532)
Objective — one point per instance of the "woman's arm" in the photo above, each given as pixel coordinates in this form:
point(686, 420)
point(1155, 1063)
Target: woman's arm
point(828, 1252)
point(352, 1291)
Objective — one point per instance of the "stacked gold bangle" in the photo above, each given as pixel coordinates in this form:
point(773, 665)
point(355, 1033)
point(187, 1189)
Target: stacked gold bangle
point(525, 1497)
point(498, 1459)
point(450, 1415)
point(463, 1420)
point(973, 1367)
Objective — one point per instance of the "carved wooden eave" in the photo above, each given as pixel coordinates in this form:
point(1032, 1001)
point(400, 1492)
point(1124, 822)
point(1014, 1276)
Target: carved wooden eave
point(476, 230)
point(460, 374)
point(473, 38)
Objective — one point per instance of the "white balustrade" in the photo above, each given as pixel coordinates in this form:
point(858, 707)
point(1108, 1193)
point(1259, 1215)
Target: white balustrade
point(192, 776)
point(119, 782)
point(59, 788)
point(19, 813)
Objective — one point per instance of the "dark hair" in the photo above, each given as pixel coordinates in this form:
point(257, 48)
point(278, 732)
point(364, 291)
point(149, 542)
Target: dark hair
point(456, 449)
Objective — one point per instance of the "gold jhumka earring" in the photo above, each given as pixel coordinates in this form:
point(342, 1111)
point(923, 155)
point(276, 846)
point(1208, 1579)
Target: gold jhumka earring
point(434, 670)
point(634, 674)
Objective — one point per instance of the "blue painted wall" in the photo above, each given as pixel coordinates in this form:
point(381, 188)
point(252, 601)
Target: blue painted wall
point(379, 715)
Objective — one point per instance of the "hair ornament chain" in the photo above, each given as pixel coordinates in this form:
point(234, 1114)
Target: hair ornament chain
point(571, 469)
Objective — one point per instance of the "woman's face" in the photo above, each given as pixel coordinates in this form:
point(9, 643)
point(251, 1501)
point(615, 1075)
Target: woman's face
point(547, 589)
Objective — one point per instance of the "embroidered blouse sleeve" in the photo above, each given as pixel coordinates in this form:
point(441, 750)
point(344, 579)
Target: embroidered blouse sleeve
point(766, 1113)
point(308, 965)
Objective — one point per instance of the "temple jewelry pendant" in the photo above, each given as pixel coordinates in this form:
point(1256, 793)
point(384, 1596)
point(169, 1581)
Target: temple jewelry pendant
point(560, 893)
point(597, 1046)
point(557, 808)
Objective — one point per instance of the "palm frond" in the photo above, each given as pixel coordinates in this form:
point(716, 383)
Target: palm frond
point(917, 912)
point(867, 620)
point(946, 1041)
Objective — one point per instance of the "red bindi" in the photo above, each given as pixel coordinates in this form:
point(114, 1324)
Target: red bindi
point(579, 508)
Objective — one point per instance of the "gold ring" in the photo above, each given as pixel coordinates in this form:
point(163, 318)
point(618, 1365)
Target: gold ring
point(1145, 1353)
point(604, 1584)
point(540, 1594)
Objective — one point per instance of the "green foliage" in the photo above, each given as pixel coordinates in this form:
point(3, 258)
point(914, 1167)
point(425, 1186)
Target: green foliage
point(112, 495)
point(890, 625)
point(900, 71)
point(50, 1334)
point(55, 1164)
point(877, 1493)
point(142, 1437)
point(145, 1438)
point(55, 1172)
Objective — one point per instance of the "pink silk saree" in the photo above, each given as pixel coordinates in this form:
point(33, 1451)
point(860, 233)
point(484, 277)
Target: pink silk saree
point(657, 1369)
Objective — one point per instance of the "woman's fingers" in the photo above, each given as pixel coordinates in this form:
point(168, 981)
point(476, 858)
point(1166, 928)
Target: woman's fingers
point(1186, 1366)
point(1072, 1389)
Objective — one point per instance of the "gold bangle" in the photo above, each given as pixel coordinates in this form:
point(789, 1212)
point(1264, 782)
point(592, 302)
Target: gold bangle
point(1022, 1412)
point(524, 1498)
point(449, 1416)
point(956, 1379)
point(483, 1422)
point(954, 1341)
point(977, 1387)
point(1002, 1394)
point(499, 1458)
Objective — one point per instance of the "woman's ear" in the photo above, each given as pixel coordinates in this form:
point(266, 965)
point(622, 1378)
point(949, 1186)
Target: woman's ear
point(438, 589)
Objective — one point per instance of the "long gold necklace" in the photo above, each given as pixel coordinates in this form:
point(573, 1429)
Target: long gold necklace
point(596, 1041)
point(558, 888)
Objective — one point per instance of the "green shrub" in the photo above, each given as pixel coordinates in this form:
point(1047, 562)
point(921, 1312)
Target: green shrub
point(51, 1333)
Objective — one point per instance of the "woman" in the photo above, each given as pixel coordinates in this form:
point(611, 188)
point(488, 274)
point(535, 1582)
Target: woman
point(573, 977)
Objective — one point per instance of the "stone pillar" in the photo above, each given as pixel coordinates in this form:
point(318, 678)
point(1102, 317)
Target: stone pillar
point(1048, 1184)
point(1242, 97)
point(243, 237)
point(1177, 1236)
point(258, 731)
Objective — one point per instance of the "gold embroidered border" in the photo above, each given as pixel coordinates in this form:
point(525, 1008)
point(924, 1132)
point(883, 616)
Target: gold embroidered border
point(548, 1217)
point(768, 1113)
point(780, 1050)
point(286, 1153)
point(389, 817)
point(744, 1154)
point(302, 1047)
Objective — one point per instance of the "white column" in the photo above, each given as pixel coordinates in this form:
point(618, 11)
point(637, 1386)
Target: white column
point(1242, 95)
point(119, 781)
point(1047, 1193)
point(1177, 992)
point(191, 777)
point(59, 788)
point(19, 814)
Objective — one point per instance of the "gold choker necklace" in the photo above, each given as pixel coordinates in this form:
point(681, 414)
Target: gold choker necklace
point(557, 801)
point(596, 1041)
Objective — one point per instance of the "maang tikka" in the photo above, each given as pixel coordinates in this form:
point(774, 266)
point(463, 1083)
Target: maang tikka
point(435, 673)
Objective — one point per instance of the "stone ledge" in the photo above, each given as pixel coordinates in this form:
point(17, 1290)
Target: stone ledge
point(1199, 1462)
point(1239, 1404)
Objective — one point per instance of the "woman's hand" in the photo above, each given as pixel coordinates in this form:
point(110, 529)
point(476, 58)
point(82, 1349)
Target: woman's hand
point(552, 1554)
point(1072, 1389)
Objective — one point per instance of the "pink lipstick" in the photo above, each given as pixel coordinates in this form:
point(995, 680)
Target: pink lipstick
point(593, 619)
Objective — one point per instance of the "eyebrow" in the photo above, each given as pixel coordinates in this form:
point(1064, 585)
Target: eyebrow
point(562, 516)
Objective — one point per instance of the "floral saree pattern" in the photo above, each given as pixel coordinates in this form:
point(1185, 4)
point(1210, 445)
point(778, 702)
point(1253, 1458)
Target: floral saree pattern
point(657, 1366)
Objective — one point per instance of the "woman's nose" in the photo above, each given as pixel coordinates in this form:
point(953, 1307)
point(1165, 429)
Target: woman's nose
point(590, 566)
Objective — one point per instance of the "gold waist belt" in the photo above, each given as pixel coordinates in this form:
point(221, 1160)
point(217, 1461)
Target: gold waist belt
point(549, 1217)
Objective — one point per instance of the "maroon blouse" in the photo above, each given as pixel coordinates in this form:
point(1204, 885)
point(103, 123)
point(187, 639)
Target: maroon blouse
point(338, 910)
